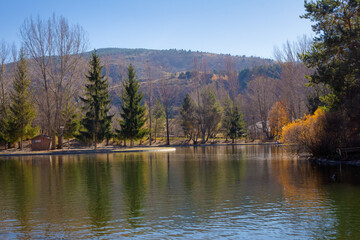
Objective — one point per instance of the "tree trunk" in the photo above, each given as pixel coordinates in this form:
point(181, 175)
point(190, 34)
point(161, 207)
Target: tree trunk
point(203, 132)
point(208, 136)
point(60, 142)
point(95, 142)
point(150, 126)
point(131, 142)
point(53, 141)
point(155, 129)
point(96, 127)
point(167, 130)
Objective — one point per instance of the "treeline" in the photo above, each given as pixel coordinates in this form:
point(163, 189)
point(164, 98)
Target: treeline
point(172, 61)
point(18, 113)
point(59, 101)
point(91, 121)
point(334, 55)
point(50, 88)
point(51, 55)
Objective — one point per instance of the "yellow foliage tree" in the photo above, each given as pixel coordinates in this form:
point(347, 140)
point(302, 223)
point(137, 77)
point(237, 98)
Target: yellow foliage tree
point(319, 133)
point(278, 118)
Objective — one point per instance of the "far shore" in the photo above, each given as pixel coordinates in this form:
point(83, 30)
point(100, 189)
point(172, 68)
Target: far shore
point(116, 149)
point(28, 152)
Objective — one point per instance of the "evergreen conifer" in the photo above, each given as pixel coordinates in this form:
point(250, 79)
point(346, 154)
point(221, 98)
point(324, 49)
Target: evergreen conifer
point(22, 111)
point(96, 125)
point(188, 118)
point(233, 121)
point(4, 126)
point(132, 112)
point(159, 117)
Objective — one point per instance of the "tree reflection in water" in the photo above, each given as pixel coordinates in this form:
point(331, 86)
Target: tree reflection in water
point(133, 177)
point(99, 182)
point(202, 192)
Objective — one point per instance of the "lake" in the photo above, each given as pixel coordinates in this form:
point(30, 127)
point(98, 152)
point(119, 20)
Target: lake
point(246, 192)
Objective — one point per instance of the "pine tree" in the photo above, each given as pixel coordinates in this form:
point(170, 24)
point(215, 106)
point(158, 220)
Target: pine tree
point(237, 124)
point(188, 118)
point(335, 51)
point(159, 116)
point(72, 121)
point(210, 114)
point(132, 113)
point(22, 111)
point(4, 126)
point(96, 125)
point(233, 121)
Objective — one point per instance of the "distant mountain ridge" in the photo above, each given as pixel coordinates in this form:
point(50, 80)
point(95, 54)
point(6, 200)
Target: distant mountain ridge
point(173, 61)
point(176, 67)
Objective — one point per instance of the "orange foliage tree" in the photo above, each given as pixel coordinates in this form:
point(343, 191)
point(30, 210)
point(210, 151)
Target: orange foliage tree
point(278, 118)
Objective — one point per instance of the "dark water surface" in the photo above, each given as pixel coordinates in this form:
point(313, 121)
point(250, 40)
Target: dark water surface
point(247, 192)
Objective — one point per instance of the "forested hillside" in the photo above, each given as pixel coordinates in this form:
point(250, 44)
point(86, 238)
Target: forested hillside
point(173, 61)
point(191, 94)
point(177, 68)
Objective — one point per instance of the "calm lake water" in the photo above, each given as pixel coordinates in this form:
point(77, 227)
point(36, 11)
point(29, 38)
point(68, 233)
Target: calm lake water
point(247, 192)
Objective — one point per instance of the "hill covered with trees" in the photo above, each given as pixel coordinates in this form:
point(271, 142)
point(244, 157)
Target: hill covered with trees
point(179, 67)
point(173, 61)
point(198, 95)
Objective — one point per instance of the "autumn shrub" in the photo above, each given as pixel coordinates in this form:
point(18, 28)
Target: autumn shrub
point(320, 133)
point(292, 133)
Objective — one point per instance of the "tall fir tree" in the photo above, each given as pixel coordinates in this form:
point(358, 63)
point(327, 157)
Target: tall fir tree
point(188, 118)
point(233, 120)
point(96, 125)
point(72, 121)
point(4, 126)
point(210, 114)
point(132, 112)
point(22, 111)
point(159, 117)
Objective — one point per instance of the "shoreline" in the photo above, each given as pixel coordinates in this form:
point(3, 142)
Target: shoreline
point(332, 162)
point(225, 144)
point(100, 150)
point(86, 151)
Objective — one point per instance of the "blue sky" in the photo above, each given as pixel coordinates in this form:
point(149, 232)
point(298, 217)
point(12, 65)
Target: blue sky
point(238, 27)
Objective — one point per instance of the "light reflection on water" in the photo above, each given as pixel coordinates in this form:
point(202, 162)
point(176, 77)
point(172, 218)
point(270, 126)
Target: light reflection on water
point(251, 192)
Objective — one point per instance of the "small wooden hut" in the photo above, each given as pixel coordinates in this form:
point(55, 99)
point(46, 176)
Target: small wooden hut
point(40, 143)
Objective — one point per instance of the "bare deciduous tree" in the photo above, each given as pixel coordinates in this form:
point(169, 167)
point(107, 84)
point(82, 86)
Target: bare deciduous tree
point(4, 56)
point(261, 94)
point(55, 47)
point(292, 90)
point(232, 78)
point(4, 91)
point(198, 80)
point(149, 96)
point(167, 96)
